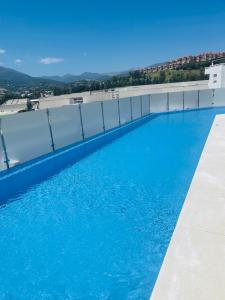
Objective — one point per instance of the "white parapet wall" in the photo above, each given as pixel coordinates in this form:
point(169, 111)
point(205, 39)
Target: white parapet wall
point(13, 106)
point(194, 266)
point(123, 92)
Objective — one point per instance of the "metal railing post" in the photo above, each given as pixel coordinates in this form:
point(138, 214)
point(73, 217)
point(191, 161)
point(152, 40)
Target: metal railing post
point(50, 130)
point(149, 99)
point(118, 106)
point(141, 102)
point(6, 161)
point(198, 98)
point(213, 95)
point(81, 122)
point(103, 117)
point(183, 100)
point(168, 102)
point(131, 109)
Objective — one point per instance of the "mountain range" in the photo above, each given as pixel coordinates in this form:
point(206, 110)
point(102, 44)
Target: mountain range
point(68, 78)
point(12, 79)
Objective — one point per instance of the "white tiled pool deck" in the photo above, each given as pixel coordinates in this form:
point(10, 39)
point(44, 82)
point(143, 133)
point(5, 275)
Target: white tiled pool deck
point(194, 266)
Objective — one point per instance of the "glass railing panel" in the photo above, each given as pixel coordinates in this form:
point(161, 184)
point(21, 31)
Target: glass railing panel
point(205, 98)
point(66, 125)
point(145, 105)
point(190, 99)
point(136, 107)
point(27, 136)
point(158, 103)
point(176, 101)
point(111, 114)
point(92, 118)
point(219, 97)
point(2, 158)
point(125, 110)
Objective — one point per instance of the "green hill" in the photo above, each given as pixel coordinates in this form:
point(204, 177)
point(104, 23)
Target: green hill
point(11, 79)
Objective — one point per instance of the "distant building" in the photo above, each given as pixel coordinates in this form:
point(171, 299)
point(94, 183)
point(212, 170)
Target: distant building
point(17, 105)
point(3, 91)
point(216, 76)
point(57, 101)
point(13, 106)
point(46, 94)
point(172, 65)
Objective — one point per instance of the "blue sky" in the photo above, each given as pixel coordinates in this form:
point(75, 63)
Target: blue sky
point(57, 37)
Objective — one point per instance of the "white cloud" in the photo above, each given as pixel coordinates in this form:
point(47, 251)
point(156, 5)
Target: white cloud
point(2, 51)
point(50, 60)
point(18, 61)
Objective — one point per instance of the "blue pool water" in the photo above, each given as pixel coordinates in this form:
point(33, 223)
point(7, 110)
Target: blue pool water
point(100, 228)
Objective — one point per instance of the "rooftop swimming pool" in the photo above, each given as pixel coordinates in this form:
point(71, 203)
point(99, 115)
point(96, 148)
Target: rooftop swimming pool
point(100, 228)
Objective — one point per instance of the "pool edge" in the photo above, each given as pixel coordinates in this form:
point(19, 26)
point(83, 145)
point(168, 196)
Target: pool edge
point(194, 264)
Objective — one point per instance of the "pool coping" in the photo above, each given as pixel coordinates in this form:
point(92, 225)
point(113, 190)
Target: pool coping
point(194, 265)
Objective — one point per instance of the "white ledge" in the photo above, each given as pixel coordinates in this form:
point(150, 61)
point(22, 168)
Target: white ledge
point(194, 265)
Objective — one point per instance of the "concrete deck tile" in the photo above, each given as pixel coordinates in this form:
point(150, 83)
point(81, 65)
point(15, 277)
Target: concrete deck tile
point(194, 266)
